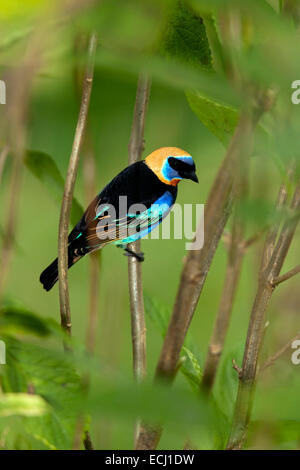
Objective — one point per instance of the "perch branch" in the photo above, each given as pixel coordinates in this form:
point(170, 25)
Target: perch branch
point(69, 189)
point(272, 261)
point(89, 176)
point(138, 328)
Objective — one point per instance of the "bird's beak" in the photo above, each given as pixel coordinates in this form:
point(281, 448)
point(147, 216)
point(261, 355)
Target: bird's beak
point(192, 176)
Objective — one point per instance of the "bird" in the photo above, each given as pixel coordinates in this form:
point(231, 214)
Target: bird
point(150, 185)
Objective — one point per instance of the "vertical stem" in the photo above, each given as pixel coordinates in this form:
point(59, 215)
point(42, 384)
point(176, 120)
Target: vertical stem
point(216, 345)
point(246, 389)
point(64, 299)
point(197, 263)
point(138, 328)
point(235, 259)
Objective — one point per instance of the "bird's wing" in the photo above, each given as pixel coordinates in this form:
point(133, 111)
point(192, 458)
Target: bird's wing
point(100, 224)
point(103, 227)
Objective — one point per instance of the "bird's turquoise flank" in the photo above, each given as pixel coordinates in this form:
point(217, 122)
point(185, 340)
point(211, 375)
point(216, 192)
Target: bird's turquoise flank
point(101, 211)
point(169, 173)
point(159, 210)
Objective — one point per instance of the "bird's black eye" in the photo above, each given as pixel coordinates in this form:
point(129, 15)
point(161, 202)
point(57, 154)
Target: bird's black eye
point(174, 163)
point(179, 165)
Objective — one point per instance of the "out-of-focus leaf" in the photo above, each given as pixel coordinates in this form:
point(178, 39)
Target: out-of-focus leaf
point(158, 313)
point(159, 316)
point(51, 375)
point(191, 368)
point(22, 404)
point(17, 320)
point(185, 37)
point(13, 8)
point(185, 40)
point(281, 434)
point(45, 169)
point(220, 119)
point(227, 380)
point(122, 399)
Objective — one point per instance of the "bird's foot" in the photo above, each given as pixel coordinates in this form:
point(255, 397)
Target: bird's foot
point(139, 256)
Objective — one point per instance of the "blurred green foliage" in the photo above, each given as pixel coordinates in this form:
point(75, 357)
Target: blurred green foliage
point(193, 106)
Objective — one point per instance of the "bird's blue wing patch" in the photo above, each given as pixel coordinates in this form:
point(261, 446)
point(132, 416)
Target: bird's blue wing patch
point(144, 223)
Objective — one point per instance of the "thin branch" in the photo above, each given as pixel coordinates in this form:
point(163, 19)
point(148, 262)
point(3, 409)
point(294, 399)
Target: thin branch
point(273, 230)
point(69, 189)
point(284, 277)
point(236, 367)
point(138, 328)
point(270, 361)
point(198, 262)
point(254, 238)
point(272, 261)
point(89, 176)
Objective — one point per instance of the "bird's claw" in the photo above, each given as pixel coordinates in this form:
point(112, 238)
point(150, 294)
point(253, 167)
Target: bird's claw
point(139, 256)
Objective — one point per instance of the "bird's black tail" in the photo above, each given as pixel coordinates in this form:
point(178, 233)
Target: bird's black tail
point(50, 275)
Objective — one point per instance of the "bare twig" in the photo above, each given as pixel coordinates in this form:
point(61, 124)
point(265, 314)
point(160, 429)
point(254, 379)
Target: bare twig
point(197, 262)
point(284, 277)
point(236, 367)
point(69, 189)
point(254, 238)
point(270, 361)
point(272, 261)
point(138, 328)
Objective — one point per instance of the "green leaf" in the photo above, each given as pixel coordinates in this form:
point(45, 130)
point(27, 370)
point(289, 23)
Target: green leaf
point(159, 316)
point(43, 167)
point(219, 119)
point(185, 37)
point(22, 404)
point(120, 398)
point(52, 375)
point(157, 313)
point(227, 381)
point(191, 368)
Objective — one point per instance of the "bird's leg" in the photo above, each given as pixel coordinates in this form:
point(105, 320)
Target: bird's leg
point(138, 256)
